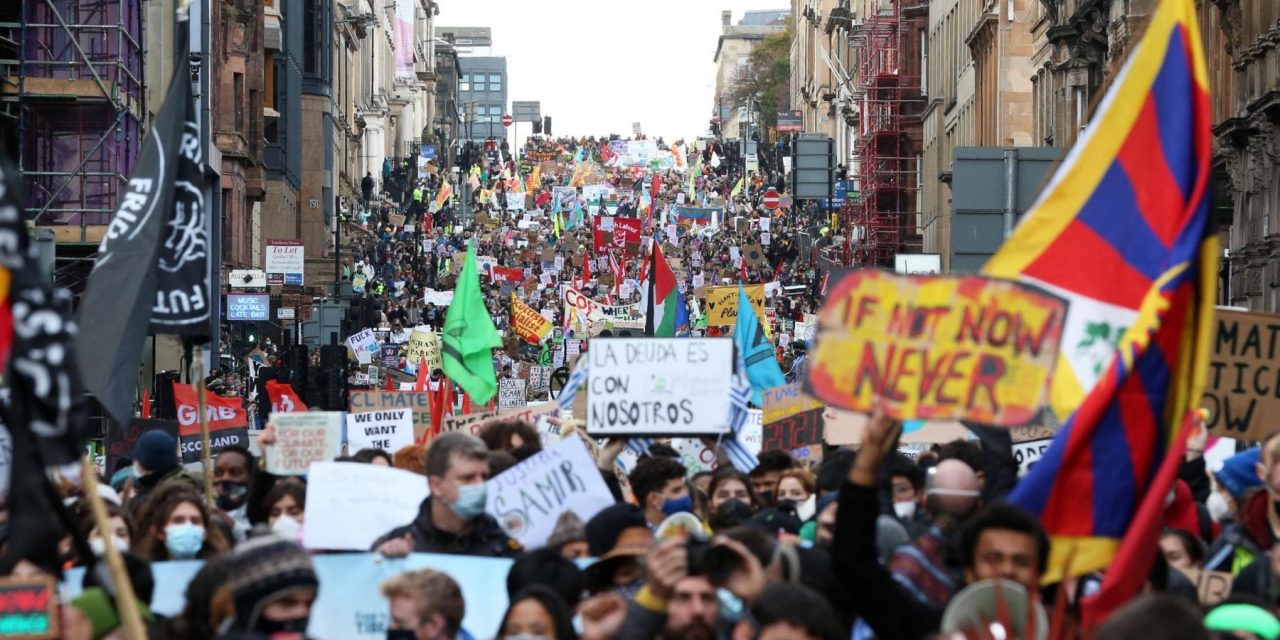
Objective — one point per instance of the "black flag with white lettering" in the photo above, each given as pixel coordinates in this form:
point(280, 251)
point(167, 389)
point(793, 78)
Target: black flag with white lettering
point(116, 310)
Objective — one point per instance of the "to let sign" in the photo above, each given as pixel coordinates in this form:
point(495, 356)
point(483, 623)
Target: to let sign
point(936, 347)
point(1242, 391)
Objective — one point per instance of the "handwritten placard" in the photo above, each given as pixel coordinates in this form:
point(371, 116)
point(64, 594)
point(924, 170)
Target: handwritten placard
point(1242, 391)
point(303, 438)
point(364, 346)
point(529, 498)
point(349, 505)
point(511, 393)
point(657, 386)
point(416, 402)
point(386, 430)
point(936, 347)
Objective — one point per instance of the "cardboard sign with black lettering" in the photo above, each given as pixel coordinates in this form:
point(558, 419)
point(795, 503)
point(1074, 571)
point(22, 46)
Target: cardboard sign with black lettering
point(1242, 391)
point(386, 430)
point(511, 393)
point(29, 608)
point(659, 386)
point(415, 402)
point(303, 438)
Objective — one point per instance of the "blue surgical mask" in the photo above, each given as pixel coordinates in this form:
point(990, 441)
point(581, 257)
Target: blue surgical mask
point(183, 540)
point(470, 502)
point(672, 506)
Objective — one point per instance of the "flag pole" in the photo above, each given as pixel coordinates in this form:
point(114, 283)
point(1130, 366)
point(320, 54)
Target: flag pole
point(202, 406)
point(126, 599)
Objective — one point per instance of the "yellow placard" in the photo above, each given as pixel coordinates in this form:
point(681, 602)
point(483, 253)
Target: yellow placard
point(722, 304)
point(936, 347)
point(528, 323)
point(423, 341)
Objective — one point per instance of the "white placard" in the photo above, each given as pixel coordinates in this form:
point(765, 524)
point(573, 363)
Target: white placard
point(364, 345)
point(303, 438)
point(659, 386)
point(511, 393)
point(764, 224)
point(438, 298)
point(349, 504)
point(529, 498)
point(386, 430)
point(766, 238)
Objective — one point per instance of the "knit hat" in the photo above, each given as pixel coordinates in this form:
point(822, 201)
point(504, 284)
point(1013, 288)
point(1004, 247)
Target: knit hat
point(1239, 473)
point(264, 569)
point(101, 612)
point(569, 528)
point(156, 450)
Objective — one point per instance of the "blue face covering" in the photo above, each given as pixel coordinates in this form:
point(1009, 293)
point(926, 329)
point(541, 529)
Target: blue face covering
point(470, 503)
point(183, 540)
point(677, 505)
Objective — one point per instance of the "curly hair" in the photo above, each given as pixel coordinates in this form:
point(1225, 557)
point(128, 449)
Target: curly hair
point(411, 458)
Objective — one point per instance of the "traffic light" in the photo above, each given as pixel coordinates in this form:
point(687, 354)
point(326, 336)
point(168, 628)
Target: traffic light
point(546, 125)
point(537, 126)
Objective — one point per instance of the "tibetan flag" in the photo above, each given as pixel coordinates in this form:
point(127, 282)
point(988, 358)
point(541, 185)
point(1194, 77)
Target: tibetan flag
point(1122, 231)
point(665, 310)
point(469, 336)
point(756, 351)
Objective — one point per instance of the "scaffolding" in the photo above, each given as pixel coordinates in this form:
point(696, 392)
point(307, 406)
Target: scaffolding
point(888, 98)
point(72, 104)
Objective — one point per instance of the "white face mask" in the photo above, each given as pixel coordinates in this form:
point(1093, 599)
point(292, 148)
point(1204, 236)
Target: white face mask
point(904, 510)
point(805, 509)
point(1218, 508)
point(99, 545)
point(286, 527)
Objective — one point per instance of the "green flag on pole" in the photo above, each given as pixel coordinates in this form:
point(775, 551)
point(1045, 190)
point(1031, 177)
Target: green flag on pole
point(469, 336)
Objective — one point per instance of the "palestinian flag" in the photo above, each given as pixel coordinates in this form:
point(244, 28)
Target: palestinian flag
point(665, 310)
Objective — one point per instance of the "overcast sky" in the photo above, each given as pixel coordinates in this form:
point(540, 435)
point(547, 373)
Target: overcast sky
point(599, 65)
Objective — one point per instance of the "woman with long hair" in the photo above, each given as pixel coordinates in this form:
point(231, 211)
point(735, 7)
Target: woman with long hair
point(175, 525)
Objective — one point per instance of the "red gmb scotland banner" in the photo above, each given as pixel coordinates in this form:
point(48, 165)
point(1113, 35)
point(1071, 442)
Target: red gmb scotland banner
point(283, 398)
point(224, 413)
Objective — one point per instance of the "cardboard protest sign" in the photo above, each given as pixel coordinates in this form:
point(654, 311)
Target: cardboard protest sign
point(386, 430)
point(511, 393)
point(29, 607)
point(422, 342)
point(528, 323)
point(754, 254)
point(1242, 392)
point(349, 504)
point(936, 347)
point(416, 402)
point(1212, 587)
point(792, 420)
point(529, 498)
point(303, 438)
point(363, 345)
point(228, 423)
point(473, 423)
point(438, 298)
point(722, 304)
point(659, 386)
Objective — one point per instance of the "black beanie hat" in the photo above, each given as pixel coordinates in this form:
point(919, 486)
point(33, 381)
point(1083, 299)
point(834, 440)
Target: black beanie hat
point(263, 569)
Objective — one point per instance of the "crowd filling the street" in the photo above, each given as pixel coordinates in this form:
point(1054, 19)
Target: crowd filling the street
point(633, 386)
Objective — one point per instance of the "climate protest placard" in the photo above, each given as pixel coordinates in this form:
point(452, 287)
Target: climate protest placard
point(722, 304)
point(511, 393)
point(417, 403)
point(936, 347)
point(303, 438)
point(422, 342)
point(228, 423)
point(536, 415)
point(364, 346)
point(350, 504)
point(386, 430)
point(659, 386)
point(528, 499)
point(527, 322)
point(1242, 391)
point(792, 420)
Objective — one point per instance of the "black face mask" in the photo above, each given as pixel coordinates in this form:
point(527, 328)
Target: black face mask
point(401, 634)
point(231, 495)
point(766, 498)
point(292, 625)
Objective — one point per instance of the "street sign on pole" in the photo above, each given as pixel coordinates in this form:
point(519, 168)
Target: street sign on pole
point(813, 167)
point(507, 120)
point(770, 199)
point(527, 111)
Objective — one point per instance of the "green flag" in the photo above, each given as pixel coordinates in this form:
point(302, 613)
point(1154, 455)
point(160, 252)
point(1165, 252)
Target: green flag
point(469, 337)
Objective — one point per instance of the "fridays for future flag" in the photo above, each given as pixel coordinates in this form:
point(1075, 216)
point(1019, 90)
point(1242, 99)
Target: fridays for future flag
point(152, 271)
point(470, 337)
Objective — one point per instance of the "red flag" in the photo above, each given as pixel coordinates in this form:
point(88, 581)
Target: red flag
point(283, 398)
point(146, 404)
point(440, 401)
point(421, 383)
point(223, 412)
point(388, 385)
point(744, 270)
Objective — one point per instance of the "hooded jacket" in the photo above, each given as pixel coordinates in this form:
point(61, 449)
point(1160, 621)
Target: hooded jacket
point(1243, 540)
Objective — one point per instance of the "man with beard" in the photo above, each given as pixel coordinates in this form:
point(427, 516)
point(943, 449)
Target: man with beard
point(692, 610)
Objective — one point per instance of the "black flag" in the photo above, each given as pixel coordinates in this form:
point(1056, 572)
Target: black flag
point(152, 270)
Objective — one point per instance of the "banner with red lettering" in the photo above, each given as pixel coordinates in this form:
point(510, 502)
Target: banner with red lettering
point(283, 398)
point(228, 422)
point(528, 323)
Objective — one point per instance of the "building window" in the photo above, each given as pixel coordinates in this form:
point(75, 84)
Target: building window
point(237, 98)
point(316, 40)
point(495, 82)
point(464, 84)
